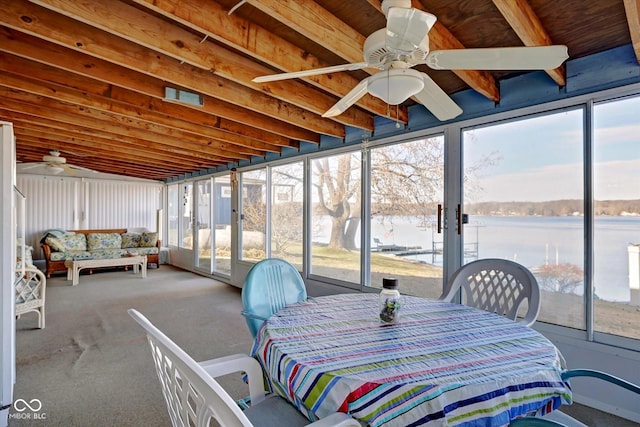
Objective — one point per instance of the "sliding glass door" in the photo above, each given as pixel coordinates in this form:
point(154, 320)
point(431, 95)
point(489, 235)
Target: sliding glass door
point(407, 193)
point(616, 194)
point(203, 226)
point(524, 197)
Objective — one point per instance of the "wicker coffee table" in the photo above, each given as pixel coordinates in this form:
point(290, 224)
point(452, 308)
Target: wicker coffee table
point(74, 267)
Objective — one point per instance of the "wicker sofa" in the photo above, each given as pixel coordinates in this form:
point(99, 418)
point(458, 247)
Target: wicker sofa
point(97, 244)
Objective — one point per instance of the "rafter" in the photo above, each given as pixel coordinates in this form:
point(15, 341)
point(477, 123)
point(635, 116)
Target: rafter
point(211, 19)
point(78, 36)
point(632, 9)
point(171, 40)
point(77, 63)
point(524, 21)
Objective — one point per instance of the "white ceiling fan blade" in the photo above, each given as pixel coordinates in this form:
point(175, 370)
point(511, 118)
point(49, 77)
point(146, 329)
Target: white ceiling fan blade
point(27, 166)
point(349, 99)
point(437, 101)
point(407, 29)
point(501, 58)
point(314, 72)
point(67, 169)
point(76, 167)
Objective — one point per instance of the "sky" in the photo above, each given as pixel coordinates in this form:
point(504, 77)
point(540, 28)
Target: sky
point(541, 158)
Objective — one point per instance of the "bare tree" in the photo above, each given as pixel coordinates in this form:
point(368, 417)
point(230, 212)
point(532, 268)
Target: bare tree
point(337, 187)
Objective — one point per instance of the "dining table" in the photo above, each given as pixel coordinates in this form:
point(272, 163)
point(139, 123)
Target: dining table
point(439, 364)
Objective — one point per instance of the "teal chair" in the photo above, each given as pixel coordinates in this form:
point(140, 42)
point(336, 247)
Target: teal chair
point(270, 285)
point(557, 418)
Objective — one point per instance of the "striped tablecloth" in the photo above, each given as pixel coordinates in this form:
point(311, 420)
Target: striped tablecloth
point(441, 364)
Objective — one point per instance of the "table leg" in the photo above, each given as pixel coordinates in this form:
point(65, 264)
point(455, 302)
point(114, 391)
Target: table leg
point(76, 274)
point(70, 272)
point(144, 268)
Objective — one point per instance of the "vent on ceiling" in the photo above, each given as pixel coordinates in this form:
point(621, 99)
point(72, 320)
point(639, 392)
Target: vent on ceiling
point(178, 95)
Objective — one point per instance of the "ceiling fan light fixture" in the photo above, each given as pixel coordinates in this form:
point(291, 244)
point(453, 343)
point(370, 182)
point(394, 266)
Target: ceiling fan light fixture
point(396, 85)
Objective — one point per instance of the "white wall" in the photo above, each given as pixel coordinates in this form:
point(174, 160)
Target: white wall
point(7, 266)
point(84, 203)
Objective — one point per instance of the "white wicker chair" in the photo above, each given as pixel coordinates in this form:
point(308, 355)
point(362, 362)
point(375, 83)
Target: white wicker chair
point(498, 286)
point(194, 397)
point(30, 294)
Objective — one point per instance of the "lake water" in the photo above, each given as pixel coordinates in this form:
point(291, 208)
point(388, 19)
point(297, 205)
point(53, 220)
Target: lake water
point(531, 241)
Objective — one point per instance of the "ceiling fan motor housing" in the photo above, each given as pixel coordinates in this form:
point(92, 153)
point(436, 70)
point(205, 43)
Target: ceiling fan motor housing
point(386, 4)
point(54, 157)
point(376, 52)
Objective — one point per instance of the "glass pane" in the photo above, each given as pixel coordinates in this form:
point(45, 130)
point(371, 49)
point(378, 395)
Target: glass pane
point(287, 193)
point(222, 225)
point(616, 196)
point(335, 217)
point(203, 224)
point(254, 225)
point(187, 216)
point(406, 186)
point(173, 214)
point(523, 191)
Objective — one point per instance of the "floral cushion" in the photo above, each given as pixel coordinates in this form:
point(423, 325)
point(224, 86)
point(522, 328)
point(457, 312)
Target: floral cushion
point(70, 242)
point(70, 255)
point(148, 239)
point(130, 240)
point(147, 251)
point(108, 253)
point(97, 241)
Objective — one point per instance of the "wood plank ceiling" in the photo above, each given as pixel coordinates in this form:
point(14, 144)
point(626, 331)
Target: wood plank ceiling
point(88, 77)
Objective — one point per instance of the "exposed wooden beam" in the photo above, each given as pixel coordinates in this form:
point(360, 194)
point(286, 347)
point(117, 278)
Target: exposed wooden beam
point(75, 35)
point(93, 119)
point(316, 23)
point(632, 9)
point(77, 63)
point(211, 19)
point(134, 127)
point(526, 24)
point(65, 140)
point(62, 93)
point(171, 40)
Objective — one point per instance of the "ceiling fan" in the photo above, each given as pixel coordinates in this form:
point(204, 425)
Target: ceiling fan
point(403, 44)
point(54, 163)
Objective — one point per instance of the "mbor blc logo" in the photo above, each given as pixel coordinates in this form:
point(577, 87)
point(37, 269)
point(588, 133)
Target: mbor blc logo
point(28, 410)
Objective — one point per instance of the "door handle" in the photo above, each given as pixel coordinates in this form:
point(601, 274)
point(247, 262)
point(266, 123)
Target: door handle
point(439, 219)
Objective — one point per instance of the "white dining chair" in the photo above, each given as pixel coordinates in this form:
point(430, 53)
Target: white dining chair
point(195, 398)
point(496, 285)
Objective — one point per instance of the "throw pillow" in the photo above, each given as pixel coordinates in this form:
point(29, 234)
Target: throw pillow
point(130, 240)
point(55, 243)
point(148, 239)
point(103, 241)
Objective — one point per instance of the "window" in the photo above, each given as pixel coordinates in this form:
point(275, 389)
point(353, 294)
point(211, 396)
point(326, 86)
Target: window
point(254, 215)
point(173, 214)
point(523, 191)
point(406, 187)
point(222, 225)
point(203, 224)
point(287, 194)
point(186, 215)
point(616, 206)
point(335, 217)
